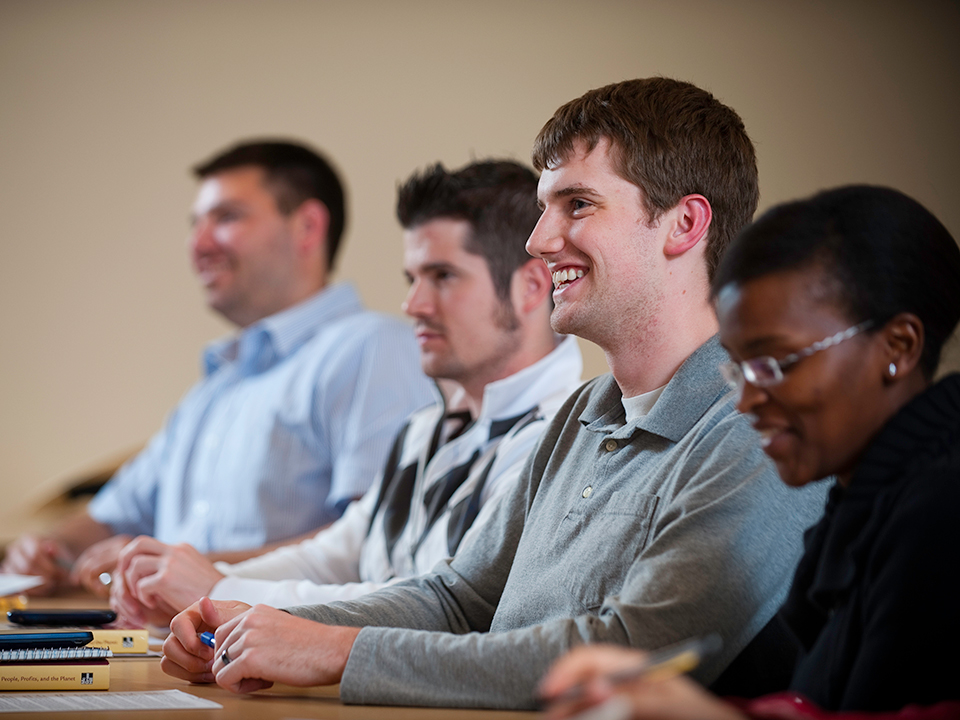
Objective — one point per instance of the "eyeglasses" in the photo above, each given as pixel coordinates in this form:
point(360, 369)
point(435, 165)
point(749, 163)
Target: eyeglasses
point(767, 371)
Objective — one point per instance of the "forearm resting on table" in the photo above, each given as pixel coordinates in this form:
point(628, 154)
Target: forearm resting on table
point(236, 556)
point(80, 532)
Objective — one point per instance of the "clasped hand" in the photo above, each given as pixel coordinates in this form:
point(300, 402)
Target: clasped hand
point(263, 645)
point(154, 581)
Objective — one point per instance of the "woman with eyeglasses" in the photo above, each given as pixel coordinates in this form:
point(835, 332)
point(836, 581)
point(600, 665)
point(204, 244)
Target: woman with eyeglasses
point(834, 311)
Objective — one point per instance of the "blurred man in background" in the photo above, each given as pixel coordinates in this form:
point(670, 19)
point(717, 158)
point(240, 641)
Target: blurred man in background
point(294, 415)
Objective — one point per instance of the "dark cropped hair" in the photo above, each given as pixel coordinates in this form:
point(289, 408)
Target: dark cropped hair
point(883, 251)
point(497, 197)
point(294, 174)
point(670, 139)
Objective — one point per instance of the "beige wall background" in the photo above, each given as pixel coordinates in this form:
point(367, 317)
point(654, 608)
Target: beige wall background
point(104, 104)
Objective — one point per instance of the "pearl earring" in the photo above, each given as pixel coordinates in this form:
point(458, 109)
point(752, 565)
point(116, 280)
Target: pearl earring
point(892, 370)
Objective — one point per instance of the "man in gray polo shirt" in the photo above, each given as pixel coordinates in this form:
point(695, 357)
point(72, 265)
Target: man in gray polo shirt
point(648, 512)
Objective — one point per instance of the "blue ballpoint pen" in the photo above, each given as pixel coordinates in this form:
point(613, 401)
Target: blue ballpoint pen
point(207, 639)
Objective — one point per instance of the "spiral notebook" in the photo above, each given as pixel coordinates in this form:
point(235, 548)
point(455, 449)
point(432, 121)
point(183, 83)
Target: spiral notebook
point(33, 654)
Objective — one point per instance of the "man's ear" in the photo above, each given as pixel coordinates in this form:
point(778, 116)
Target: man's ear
point(688, 221)
point(310, 223)
point(531, 285)
point(902, 345)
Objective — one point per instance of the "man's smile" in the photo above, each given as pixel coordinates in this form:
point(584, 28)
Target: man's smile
point(566, 276)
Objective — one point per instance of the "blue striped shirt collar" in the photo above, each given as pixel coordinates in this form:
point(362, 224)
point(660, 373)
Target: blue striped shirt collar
point(275, 337)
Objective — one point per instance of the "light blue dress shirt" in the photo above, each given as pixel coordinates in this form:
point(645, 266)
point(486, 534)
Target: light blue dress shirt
point(294, 418)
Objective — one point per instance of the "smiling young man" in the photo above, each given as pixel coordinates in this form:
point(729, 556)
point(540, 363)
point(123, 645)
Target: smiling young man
point(481, 310)
point(647, 514)
point(295, 413)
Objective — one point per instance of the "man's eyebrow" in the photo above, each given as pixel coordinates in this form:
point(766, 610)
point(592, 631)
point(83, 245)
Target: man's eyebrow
point(230, 204)
point(568, 191)
point(223, 205)
point(430, 268)
point(434, 267)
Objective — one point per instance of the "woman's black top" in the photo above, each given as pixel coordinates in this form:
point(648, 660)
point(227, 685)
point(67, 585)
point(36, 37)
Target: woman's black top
point(875, 602)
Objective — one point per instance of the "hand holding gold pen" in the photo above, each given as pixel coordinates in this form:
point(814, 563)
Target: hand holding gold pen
point(589, 672)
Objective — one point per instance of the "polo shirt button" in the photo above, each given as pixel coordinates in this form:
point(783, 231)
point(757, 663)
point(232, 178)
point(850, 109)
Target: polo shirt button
point(587, 491)
point(611, 445)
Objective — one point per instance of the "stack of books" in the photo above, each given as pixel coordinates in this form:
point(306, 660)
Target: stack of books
point(58, 660)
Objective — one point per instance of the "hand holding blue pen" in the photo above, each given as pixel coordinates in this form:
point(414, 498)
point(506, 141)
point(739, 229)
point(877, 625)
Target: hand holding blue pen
point(207, 638)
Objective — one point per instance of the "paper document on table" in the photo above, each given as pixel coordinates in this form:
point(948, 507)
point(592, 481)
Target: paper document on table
point(11, 584)
point(87, 701)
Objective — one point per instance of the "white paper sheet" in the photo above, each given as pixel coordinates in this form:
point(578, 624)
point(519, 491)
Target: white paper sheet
point(84, 700)
point(11, 584)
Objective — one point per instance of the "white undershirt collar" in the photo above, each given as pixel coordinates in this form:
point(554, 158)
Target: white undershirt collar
point(641, 405)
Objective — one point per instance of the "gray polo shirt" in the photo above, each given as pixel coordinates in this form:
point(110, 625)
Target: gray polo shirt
point(641, 534)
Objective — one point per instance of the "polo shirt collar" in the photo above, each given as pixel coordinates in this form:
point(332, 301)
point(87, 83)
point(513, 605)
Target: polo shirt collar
point(689, 394)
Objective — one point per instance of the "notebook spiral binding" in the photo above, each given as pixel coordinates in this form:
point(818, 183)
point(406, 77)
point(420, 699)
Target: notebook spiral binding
point(29, 655)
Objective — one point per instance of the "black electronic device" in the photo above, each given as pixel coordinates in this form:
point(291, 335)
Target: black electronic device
point(38, 640)
point(71, 618)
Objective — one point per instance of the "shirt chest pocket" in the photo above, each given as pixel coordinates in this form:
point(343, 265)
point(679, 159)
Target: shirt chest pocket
point(602, 541)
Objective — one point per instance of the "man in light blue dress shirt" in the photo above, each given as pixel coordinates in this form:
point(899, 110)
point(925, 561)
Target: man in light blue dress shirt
point(294, 415)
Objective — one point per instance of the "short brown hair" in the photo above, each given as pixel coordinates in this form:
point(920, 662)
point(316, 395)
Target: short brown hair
point(670, 139)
